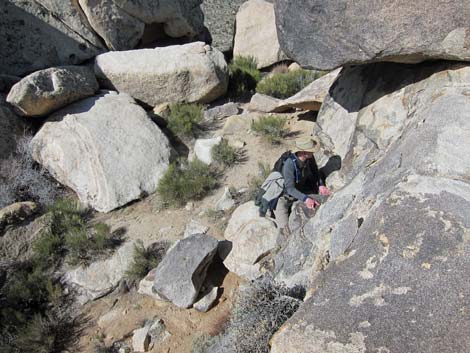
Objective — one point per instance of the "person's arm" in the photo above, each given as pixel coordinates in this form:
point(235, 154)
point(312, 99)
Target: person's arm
point(288, 172)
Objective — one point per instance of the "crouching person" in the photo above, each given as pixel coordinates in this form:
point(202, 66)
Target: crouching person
point(302, 178)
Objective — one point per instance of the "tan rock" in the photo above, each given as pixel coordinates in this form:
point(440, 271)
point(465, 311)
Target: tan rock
point(253, 237)
point(44, 91)
point(256, 33)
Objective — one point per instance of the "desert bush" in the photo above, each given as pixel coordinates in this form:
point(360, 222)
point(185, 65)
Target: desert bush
point(271, 127)
point(184, 118)
point(68, 235)
point(243, 76)
point(34, 313)
point(260, 310)
point(145, 260)
point(22, 179)
point(45, 333)
point(30, 303)
point(285, 85)
point(186, 181)
point(224, 154)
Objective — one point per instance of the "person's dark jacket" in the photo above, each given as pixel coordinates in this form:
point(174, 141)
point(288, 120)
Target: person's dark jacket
point(302, 178)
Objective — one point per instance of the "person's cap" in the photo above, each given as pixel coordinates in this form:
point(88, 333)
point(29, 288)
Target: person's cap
point(307, 144)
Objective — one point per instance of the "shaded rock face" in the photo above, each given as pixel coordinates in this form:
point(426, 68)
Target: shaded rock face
point(38, 34)
point(181, 274)
point(43, 33)
point(16, 241)
point(256, 33)
point(11, 128)
point(122, 23)
point(398, 30)
point(119, 30)
point(47, 90)
point(182, 18)
point(397, 235)
point(193, 72)
point(219, 18)
point(105, 148)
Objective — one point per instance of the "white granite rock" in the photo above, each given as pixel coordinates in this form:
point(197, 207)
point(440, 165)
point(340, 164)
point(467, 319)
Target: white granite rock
point(193, 72)
point(105, 148)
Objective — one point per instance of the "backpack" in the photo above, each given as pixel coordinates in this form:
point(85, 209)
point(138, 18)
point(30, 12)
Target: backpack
point(280, 161)
point(263, 207)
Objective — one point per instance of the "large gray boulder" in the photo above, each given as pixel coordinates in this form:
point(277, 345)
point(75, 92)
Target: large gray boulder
point(181, 274)
point(39, 34)
point(219, 18)
point(329, 34)
point(256, 33)
point(100, 277)
point(106, 148)
point(47, 90)
point(193, 72)
point(388, 248)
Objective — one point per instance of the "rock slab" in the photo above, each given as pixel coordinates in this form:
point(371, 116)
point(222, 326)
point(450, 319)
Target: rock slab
point(182, 272)
point(398, 30)
point(105, 148)
point(393, 243)
point(44, 91)
point(191, 73)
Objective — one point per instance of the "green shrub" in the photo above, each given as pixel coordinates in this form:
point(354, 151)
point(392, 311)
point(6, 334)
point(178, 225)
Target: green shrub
point(68, 235)
point(224, 154)
point(27, 298)
point(285, 85)
point(186, 181)
point(34, 314)
point(243, 76)
point(145, 260)
point(184, 119)
point(272, 127)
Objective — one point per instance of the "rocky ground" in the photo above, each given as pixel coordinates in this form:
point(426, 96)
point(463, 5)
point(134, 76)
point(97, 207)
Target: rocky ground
point(116, 316)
